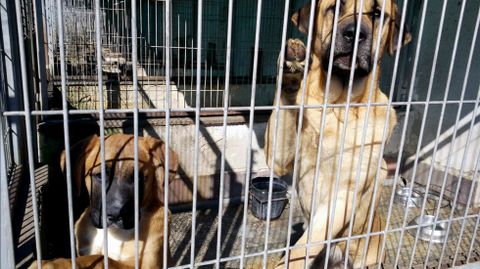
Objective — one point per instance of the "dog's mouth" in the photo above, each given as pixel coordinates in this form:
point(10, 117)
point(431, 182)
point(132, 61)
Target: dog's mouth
point(342, 64)
point(121, 223)
point(124, 221)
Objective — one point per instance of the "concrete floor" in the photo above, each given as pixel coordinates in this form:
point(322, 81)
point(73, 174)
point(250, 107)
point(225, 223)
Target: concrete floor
point(207, 223)
point(231, 242)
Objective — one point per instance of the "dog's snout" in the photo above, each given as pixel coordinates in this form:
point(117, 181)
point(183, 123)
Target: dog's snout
point(120, 216)
point(112, 218)
point(349, 30)
point(345, 44)
point(349, 33)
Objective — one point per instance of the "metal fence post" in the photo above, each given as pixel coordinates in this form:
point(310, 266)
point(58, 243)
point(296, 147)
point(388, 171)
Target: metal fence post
point(6, 243)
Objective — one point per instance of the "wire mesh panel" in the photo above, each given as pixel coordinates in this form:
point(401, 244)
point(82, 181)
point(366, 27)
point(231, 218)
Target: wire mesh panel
point(174, 131)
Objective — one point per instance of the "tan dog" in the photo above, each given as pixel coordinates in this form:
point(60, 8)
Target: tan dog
point(335, 121)
point(119, 161)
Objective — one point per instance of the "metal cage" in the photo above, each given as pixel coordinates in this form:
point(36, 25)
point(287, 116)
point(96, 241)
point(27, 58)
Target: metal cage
point(203, 76)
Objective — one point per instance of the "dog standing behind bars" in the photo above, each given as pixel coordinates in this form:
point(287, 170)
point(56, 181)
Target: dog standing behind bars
point(119, 162)
point(353, 157)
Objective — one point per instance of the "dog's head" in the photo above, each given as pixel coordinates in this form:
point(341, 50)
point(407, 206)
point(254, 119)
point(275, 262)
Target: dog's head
point(119, 162)
point(348, 22)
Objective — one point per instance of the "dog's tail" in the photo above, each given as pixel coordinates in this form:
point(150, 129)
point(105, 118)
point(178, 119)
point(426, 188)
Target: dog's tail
point(336, 259)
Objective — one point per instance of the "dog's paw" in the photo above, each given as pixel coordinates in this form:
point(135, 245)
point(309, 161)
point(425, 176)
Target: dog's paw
point(293, 65)
point(336, 259)
point(295, 56)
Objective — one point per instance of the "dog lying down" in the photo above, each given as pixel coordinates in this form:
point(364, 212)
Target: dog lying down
point(119, 161)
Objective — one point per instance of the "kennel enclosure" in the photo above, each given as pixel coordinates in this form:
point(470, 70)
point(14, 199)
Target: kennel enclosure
point(202, 76)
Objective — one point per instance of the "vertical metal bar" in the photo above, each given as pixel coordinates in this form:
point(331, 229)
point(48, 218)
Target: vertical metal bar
point(101, 112)
point(250, 131)
point(167, 134)
point(251, 120)
point(376, 180)
point(474, 238)
point(225, 114)
point(469, 200)
point(197, 129)
point(164, 37)
point(66, 135)
point(467, 73)
point(362, 148)
point(135, 127)
point(178, 55)
point(402, 142)
point(217, 92)
point(252, 105)
point(204, 92)
point(440, 124)
point(425, 112)
point(211, 86)
point(469, 132)
point(342, 144)
point(302, 101)
point(28, 127)
point(155, 70)
point(418, 149)
point(148, 43)
point(185, 64)
point(7, 259)
point(16, 150)
point(412, 83)
point(301, 110)
point(39, 43)
point(191, 64)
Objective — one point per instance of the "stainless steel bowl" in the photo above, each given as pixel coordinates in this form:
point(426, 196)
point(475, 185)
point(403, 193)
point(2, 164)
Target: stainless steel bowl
point(428, 231)
point(406, 197)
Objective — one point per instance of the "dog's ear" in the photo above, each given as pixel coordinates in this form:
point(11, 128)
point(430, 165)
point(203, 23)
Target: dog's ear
point(394, 29)
point(301, 18)
point(78, 153)
point(157, 150)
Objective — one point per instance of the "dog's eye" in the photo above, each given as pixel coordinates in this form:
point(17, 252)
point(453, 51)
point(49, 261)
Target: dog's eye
point(378, 12)
point(330, 9)
point(98, 175)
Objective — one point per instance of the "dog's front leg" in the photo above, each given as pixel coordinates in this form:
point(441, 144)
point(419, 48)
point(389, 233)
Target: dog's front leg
point(285, 121)
point(319, 233)
point(285, 132)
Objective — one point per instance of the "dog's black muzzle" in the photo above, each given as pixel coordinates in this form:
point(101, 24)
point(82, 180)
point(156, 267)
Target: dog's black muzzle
point(121, 216)
point(120, 205)
point(344, 47)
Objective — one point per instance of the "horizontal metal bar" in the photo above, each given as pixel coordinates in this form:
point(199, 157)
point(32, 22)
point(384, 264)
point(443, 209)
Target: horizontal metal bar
point(177, 47)
point(220, 109)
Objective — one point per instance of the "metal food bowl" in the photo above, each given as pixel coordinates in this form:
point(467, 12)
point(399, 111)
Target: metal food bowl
point(406, 197)
point(428, 233)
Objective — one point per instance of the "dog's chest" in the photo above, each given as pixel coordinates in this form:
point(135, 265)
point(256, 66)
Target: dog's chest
point(357, 131)
point(119, 241)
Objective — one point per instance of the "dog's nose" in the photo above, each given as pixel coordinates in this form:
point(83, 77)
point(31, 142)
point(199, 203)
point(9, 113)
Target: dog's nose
point(112, 218)
point(349, 32)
